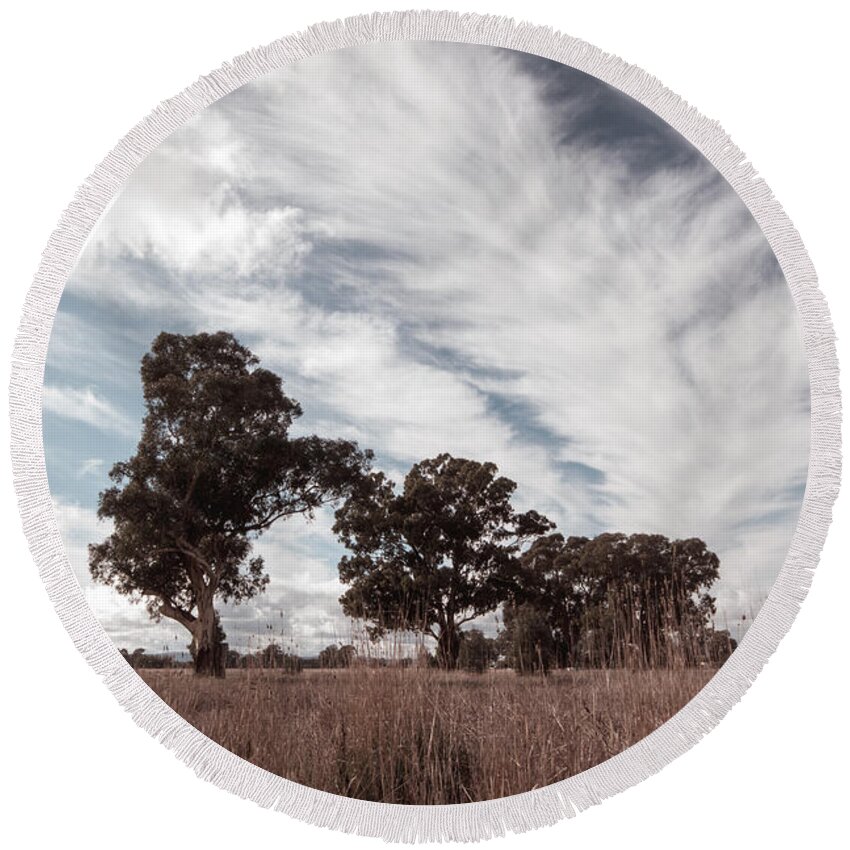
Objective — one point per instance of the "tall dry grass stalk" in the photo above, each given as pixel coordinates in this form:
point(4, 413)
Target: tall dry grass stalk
point(423, 736)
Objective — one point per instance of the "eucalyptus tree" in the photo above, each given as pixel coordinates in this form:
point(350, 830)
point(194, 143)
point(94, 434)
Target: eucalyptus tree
point(439, 553)
point(215, 467)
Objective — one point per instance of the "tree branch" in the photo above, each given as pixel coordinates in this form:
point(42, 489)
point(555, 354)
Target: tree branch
point(174, 612)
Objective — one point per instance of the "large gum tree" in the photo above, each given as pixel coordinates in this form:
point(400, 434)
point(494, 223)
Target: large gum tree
point(215, 467)
point(436, 555)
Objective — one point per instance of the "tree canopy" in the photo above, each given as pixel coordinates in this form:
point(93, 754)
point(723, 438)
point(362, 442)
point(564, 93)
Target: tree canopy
point(214, 468)
point(477, 651)
point(336, 655)
point(616, 599)
point(436, 555)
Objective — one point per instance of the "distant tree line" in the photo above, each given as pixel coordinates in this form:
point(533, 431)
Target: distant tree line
point(216, 467)
point(333, 657)
point(139, 659)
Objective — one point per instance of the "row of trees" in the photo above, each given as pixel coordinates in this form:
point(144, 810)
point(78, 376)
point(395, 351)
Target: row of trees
point(450, 547)
point(216, 466)
point(613, 601)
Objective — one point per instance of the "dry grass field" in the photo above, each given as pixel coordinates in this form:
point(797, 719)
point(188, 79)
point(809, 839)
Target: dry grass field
point(419, 736)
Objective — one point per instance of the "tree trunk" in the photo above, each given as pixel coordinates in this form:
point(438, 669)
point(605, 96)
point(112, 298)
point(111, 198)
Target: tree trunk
point(208, 643)
point(448, 647)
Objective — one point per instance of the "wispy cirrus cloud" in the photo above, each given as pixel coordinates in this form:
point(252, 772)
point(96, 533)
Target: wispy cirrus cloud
point(90, 466)
point(84, 405)
point(456, 248)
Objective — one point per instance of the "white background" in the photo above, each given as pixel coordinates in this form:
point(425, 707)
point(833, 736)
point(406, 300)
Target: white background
point(76, 78)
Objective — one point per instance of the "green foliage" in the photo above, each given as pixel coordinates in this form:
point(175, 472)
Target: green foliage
point(436, 555)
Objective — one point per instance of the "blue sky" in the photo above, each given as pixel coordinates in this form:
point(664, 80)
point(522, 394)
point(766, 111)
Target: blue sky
point(445, 247)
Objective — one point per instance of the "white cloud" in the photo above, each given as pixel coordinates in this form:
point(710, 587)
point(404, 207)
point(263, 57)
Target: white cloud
point(181, 219)
point(90, 466)
point(127, 624)
point(412, 250)
point(83, 404)
point(300, 609)
point(217, 236)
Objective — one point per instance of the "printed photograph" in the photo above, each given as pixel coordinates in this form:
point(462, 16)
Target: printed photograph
point(426, 423)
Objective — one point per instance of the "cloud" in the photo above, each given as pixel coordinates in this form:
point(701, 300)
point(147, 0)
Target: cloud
point(217, 237)
point(90, 466)
point(127, 624)
point(300, 610)
point(455, 248)
point(83, 404)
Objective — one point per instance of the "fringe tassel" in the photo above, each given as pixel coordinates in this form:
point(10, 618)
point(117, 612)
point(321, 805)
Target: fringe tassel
point(471, 821)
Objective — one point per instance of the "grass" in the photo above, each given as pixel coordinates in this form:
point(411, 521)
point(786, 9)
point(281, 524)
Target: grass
point(420, 736)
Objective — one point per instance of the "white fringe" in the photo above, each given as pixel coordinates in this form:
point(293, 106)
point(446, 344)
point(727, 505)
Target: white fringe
point(470, 821)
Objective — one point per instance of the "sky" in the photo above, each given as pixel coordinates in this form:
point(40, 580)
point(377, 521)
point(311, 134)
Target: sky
point(448, 247)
